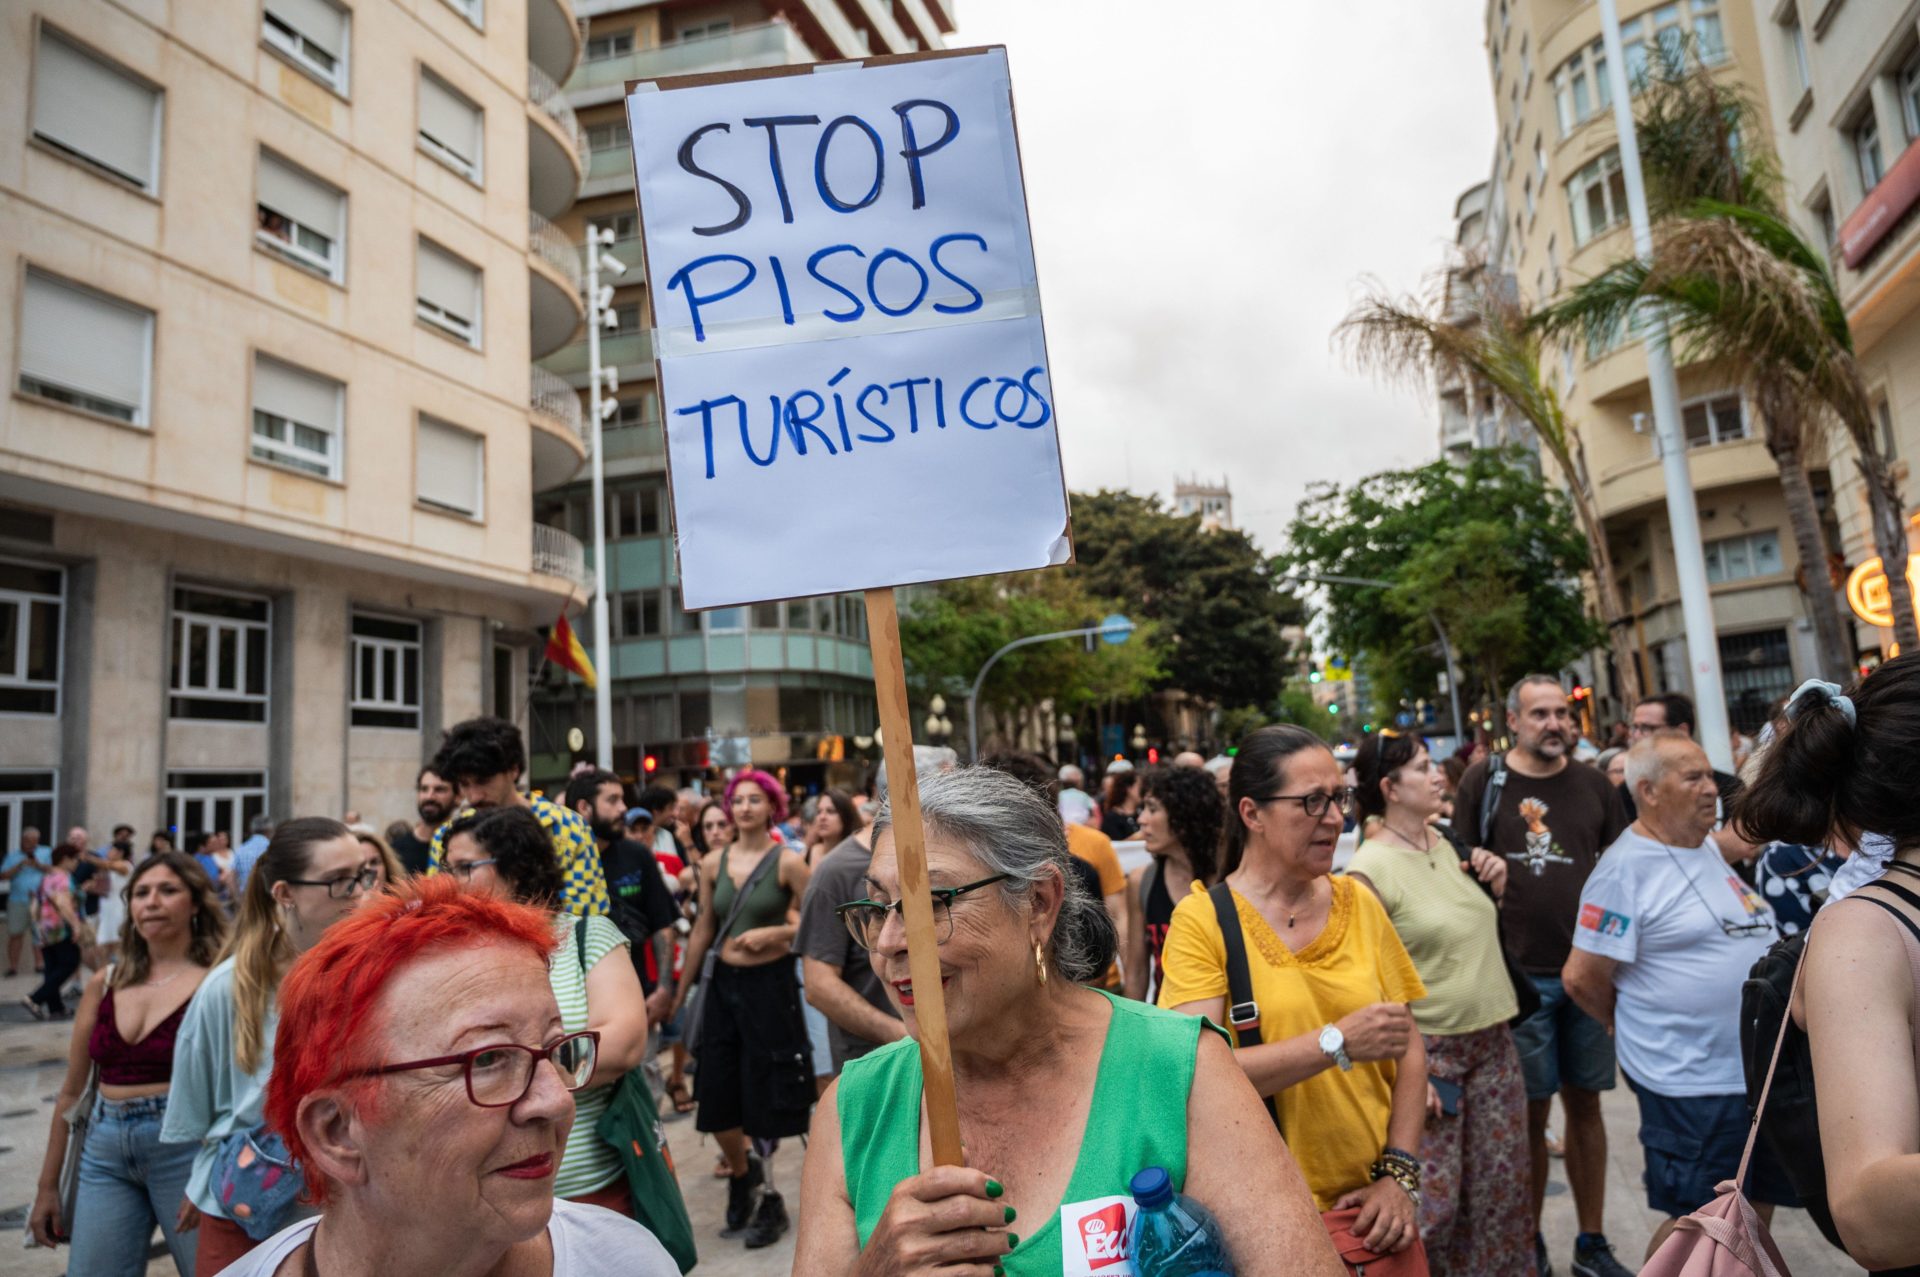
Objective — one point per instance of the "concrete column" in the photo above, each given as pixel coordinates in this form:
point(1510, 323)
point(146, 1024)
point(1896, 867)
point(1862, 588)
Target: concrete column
point(126, 679)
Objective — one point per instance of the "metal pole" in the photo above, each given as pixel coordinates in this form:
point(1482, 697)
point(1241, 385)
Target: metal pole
point(602, 623)
point(1683, 516)
point(973, 697)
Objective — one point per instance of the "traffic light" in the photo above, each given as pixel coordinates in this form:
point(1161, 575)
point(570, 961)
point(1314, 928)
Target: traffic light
point(1333, 709)
point(1153, 755)
point(650, 764)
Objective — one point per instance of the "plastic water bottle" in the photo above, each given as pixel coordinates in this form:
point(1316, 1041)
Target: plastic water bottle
point(1173, 1236)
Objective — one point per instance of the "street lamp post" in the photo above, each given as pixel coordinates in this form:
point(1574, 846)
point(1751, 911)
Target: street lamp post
point(1114, 629)
point(599, 408)
point(1446, 645)
point(938, 726)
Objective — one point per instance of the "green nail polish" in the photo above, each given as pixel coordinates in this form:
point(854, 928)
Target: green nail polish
point(994, 1189)
point(1013, 1240)
point(1012, 1214)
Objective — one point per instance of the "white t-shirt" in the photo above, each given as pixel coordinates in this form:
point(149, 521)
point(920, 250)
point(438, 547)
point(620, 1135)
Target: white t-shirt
point(588, 1241)
point(1076, 806)
point(1658, 910)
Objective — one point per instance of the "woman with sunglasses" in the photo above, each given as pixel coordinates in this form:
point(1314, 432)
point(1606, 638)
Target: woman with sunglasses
point(1065, 1092)
point(311, 875)
point(507, 850)
point(1344, 1070)
point(426, 1082)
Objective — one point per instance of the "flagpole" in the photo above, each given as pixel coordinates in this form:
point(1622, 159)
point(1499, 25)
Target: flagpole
point(596, 410)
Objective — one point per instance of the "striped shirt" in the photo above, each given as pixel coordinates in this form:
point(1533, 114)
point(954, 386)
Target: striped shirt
point(589, 1162)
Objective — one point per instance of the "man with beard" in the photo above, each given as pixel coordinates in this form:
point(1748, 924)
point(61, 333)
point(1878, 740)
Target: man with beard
point(1551, 820)
point(643, 904)
point(432, 797)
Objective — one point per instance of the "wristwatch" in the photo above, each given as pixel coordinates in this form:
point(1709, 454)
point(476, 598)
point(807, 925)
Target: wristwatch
point(1334, 1043)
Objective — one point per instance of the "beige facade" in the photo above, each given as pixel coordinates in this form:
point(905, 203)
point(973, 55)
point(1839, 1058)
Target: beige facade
point(1552, 213)
point(275, 277)
point(1843, 88)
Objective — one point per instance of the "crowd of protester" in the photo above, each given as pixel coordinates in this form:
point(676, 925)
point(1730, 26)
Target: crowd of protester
point(1369, 1052)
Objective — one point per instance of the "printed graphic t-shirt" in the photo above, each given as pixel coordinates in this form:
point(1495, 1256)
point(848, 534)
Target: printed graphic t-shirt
point(1556, 824)
point(1659, 912)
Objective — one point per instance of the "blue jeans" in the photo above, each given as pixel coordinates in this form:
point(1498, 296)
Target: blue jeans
point(1561, 1045)
point(129, 1181)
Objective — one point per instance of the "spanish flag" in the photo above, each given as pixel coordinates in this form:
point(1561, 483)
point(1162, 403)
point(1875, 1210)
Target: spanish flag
point(564, 650)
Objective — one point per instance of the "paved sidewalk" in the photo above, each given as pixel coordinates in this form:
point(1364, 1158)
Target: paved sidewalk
point(32, 1058)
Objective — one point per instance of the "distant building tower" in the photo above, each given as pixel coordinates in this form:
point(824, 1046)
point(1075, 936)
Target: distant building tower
point(1213, 502)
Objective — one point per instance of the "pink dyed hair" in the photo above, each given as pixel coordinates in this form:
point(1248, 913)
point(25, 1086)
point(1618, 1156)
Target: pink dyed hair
point(776, 793)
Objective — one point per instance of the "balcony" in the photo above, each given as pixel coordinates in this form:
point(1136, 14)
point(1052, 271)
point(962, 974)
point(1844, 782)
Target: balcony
point(554, 37)
point(767, 44)
point(560, 554)
point(556, 148)
point(609, 172)
point(631, 353)
point(558, 286)
point(560, 436)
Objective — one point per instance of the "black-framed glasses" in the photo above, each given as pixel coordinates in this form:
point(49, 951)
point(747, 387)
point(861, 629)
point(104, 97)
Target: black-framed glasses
point(341, 888)
point(866, 918)
point(464, 870)
point(1316, 803)
point(499, 1076)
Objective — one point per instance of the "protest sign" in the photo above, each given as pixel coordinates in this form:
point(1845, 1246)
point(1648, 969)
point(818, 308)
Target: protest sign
point(844, 301)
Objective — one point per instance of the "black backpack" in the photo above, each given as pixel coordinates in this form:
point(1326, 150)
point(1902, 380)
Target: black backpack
point(1790, 1126)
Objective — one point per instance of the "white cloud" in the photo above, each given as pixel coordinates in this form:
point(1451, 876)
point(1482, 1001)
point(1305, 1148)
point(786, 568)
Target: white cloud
point(1208, 183)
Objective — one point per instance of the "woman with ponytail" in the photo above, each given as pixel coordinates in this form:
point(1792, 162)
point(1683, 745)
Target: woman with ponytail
point(1843, 771)
point(311, 875)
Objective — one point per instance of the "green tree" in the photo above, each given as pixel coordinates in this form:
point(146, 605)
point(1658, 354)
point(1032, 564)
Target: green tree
point(1487, 546)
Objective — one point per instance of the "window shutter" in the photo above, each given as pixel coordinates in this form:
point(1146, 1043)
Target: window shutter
point(448, 466)
point(291, 193)
point(83, 341)
point(449, 119)
point(90, 107)
point(318, 21)
point(286, 391)
point(449, 283)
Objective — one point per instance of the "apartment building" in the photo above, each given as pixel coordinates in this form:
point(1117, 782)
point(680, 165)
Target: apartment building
point(275, 278)
point(1843, 89)
point(784, 685)
point(1553, 212)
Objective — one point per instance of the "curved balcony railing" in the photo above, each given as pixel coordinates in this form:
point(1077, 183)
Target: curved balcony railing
point(546, 242)
point(554, 399)
point(552, 102)
point(557, 553)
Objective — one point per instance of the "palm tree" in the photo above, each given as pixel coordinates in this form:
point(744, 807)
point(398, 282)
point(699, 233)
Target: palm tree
point(1417, 340)
point(1739, 286)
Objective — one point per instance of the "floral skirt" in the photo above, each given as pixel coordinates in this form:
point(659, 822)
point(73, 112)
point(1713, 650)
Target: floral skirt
point(1475, 1212)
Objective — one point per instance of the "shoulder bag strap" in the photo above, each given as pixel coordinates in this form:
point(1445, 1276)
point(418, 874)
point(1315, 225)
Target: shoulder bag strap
point(1243, 1013)
point(1490, 796)
point(580, 944)
point(767, 861)
point(1148, 877)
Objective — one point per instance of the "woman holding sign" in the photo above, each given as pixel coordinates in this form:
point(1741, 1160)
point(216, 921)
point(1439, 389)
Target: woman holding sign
point(1064, 1091)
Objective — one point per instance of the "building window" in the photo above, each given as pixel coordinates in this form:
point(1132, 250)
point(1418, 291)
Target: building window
point(632, 414)
point(296, 418)
point(626, 320)
point(1580, 87)
point(623, 225)
point(633, 512)
point(1757, 670)
point(1907, 81)
point(1889, 442)
point(450, 468)
point(473, 11)
point(96, 111)
point(219, 655)
point(682, 621)
point(1526, 195)
point(1741, 557)
point(1709, 40)
point(1865, 140)
point(386, 672)
point(1553, 260)
point(214, 802)
point(1822, 211)
point(31, 600)
point(614, 44)
point(26, 801)
point(84, 349)
point(608, 135)
point(300, 218)
point(1539, 162)
point(1720, 419)
point(638, 614)
point(448, 293)
point(705, 30)
point(1597, 196)
point(451, 127)
point(313, 35)
point(766, 616)
point(1796, 38)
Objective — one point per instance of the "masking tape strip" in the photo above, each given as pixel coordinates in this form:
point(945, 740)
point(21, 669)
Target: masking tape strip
point(678, 342)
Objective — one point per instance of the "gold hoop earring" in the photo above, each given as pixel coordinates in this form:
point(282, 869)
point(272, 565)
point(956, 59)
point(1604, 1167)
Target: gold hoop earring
point(1040, 962)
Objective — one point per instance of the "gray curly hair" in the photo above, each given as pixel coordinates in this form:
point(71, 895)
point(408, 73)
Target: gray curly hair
point(1012, 830)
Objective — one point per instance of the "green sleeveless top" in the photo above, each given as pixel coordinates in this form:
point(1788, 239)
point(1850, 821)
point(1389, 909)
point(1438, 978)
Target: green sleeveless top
point(1146, 1064)
point(766, 904)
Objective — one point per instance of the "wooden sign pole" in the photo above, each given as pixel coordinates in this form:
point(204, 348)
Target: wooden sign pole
point(910, 850)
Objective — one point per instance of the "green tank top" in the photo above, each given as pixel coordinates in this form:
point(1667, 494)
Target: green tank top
point(1133, 1123)
point(766, 904)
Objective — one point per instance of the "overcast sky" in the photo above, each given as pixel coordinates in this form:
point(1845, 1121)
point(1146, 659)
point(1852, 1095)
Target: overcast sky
point(1208, 186)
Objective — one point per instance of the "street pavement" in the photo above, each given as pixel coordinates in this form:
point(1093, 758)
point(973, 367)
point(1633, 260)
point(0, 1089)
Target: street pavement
point(32, 1058)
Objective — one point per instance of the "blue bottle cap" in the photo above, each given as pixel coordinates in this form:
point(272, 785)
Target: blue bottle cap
point(1152, 1188)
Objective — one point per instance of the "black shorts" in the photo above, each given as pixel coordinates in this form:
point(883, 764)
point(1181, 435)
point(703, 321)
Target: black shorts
point(754, 1069)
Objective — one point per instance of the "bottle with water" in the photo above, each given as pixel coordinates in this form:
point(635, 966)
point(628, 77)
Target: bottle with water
point(1173, 1236)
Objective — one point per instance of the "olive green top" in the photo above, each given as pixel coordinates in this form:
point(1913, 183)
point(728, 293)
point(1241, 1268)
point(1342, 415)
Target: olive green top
point(767, 903)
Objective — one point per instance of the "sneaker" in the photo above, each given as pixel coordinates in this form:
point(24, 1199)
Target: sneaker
point(34, 1009)
point(741, 1191)
point(769, 1222)
point(1596, 1260)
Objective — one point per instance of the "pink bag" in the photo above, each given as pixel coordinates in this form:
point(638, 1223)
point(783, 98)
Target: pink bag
point(1725, 1238)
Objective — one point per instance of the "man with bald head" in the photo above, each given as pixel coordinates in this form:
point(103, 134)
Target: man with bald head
point(1665, 936)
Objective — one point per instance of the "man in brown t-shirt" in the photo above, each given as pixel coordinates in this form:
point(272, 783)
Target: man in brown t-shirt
point(1551, 818)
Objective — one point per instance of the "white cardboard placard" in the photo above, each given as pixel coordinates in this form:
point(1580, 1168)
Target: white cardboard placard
point(853, 374)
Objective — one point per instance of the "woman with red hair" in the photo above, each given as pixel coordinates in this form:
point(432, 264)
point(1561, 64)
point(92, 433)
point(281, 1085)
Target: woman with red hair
point(755, 1075)
point(424, 1081)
